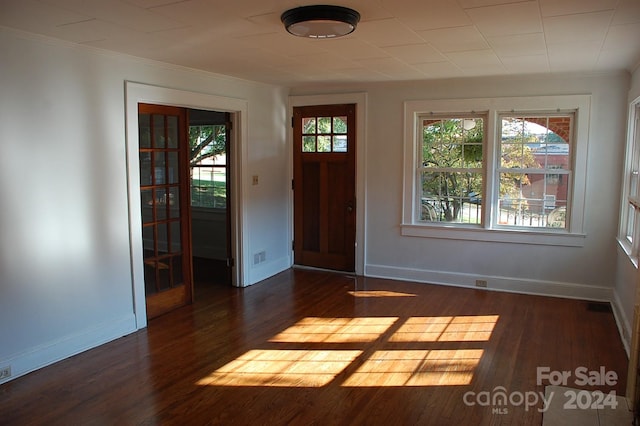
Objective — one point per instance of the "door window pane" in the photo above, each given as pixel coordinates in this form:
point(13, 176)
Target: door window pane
point(309, 125)
point(324, 124)
point(339, 124)
point(175, 237)
point(172, 131)
point(144, 130)
point(324, 143)
point(340, 143)
point(158, 131)
point(145, 168)
point(308, 144)
point(147, 241)
point(160, 202)
point(174, 202)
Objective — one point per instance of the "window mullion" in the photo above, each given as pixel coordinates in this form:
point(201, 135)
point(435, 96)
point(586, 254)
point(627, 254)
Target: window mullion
point(490, 164)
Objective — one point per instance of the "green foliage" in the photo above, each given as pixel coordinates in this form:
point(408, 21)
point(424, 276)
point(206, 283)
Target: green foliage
point(206, 193)
point(447, 144)
point(206, 141)
point(516, 153)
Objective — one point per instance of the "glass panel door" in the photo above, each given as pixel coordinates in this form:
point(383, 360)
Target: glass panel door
point(165, 214)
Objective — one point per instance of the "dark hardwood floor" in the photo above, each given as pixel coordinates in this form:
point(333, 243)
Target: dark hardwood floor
point(309, 347)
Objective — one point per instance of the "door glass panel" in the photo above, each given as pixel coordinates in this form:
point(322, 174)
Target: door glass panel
point(145, 168)
point(339, 124)
point(158, 131)
point(159, 167)
point(340, 143)
point(144, 130)
point(175, 236)
point(173, 167)
point(163, 240)
point(324, 124)
point(174, 202)
point(324, 143)
point(308, 144)
point(309, 125)
point(160, 205)
point(147, 241)
point(146, 197)
point(172, 131)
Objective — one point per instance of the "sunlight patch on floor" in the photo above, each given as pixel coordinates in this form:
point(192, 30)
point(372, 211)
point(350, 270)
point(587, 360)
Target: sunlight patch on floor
point(407, 352)
point(446, 329)
point(282, 368)
point(417, 368)
point(335, 330)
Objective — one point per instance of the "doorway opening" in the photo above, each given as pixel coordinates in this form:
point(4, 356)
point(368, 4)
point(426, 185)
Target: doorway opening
point(210, 191)
point(138, 93)
point(185, 209)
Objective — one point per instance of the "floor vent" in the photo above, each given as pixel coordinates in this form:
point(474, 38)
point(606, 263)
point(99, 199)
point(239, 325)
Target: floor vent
point(599, 307)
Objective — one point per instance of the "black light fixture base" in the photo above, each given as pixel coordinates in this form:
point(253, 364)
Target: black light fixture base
point(320, 21)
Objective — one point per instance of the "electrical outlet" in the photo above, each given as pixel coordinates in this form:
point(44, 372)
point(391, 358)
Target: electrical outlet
point(481, 283)
point(259, 257)
point(5, 372)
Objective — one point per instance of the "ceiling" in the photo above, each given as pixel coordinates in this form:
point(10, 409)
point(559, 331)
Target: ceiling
point(395, 40)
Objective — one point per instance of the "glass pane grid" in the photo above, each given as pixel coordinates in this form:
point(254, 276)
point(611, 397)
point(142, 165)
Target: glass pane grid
point(324, 134)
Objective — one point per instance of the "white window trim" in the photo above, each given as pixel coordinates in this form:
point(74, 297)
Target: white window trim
point(490, 231)
point(632, 158)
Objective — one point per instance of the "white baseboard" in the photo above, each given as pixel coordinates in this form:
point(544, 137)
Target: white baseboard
point(623, 322)
point(507, 284)
point(52, 352)
point(267, 269)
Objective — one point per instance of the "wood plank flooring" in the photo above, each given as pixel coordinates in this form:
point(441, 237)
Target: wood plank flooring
point(318, 348)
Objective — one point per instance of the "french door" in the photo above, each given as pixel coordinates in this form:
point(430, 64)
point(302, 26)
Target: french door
point(324, 186)
point(164, 194)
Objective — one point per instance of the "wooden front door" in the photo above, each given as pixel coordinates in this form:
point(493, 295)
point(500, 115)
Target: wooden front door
point(164, 193)
point(324, 186)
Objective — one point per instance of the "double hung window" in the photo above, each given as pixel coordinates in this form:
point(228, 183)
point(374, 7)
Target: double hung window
point(496, 169)
point(630, 211)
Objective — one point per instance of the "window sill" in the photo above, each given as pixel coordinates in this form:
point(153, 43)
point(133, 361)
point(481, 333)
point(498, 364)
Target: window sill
point(626, 248)
point(515, 236)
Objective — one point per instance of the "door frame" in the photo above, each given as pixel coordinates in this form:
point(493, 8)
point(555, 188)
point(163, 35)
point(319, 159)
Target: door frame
point(136, 93)
point(360, 99)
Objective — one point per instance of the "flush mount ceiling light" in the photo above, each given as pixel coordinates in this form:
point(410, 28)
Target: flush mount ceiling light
point(320, 21)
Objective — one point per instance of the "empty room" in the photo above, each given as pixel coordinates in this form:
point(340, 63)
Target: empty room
point(284, 212)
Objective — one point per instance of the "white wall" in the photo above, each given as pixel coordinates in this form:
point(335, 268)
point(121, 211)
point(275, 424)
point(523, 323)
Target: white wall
point(581, 272)
point(65, 257)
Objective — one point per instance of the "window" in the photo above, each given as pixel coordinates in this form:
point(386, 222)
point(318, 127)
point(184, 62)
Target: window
point(499, 169)
point(208, 166)
point(450, 170)
point(534, 170)
point(324, 134)
point(630, 211)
